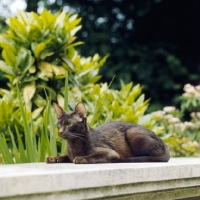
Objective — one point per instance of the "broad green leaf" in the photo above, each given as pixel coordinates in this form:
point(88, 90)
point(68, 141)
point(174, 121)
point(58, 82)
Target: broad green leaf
point(29, 79)
point(39, 101)
point(22, 17)
point(72, 17)
point(46, 54)
point(5, 41)
point(38, 49)
point(68, 62)
point(37, 112)
point(9, 57)
point(29, 91)
point(75, 30)
point(19, 29)
point(74, 23)
point(6, 110)
point(32, 70)
point(58, 71)
point(60, 20)
point(48, 19)
point(17, 79)
point(6, 68)
point(46, 68)
point(24, 60)
point(60, 100)
point(74, 44)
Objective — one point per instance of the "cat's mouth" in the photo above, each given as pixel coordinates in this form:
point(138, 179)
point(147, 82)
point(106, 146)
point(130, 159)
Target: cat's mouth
point(62, 135)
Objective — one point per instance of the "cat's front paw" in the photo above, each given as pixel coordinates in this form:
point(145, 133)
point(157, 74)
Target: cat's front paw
point(53, 159)
point(80, 160)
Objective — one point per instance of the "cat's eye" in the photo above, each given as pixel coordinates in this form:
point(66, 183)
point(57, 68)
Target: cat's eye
point(70, 124)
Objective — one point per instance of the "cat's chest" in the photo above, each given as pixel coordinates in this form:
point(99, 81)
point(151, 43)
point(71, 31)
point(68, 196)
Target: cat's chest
point(75, 150)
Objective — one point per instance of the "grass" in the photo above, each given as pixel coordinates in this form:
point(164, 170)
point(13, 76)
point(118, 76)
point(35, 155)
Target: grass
point(33, 142)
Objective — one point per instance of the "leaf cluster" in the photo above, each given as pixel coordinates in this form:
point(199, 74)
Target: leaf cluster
point(38, 53)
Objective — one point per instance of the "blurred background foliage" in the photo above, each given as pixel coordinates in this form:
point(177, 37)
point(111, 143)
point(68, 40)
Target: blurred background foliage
point(151, 42)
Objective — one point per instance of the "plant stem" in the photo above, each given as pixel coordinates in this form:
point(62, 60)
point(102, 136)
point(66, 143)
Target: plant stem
point(66, 93)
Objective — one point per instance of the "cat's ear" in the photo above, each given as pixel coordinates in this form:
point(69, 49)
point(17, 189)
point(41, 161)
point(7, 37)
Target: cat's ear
point(80, 110)
point(59, 111)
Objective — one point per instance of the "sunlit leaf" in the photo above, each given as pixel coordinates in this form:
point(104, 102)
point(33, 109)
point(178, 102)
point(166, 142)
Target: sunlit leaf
point(29, 91)
point(46, 68)
point(6, 68)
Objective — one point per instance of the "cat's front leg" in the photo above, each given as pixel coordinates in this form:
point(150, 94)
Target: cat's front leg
point(81, 160)
point(58, 159)
point(100, 156)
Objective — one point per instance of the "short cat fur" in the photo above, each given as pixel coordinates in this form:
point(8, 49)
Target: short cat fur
point(112, 142)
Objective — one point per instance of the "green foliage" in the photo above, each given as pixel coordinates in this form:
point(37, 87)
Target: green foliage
point(143, 47)
point(182, 131)
point(6, 111)
point(38, 53)
point(40, 60)
point(39, 57)
point(105, 104)
point(31, 136)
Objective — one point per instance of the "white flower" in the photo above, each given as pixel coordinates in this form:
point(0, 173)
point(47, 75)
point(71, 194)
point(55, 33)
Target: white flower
point(169, 109)
point(191, 90)
point(187, 86)
point(186, 95)
point(169, 116)
point(190, 143)
point(188, 124)
point(158, 113)
point(173, 120)
point(198, 114)
point(193, 115)
point(196, 144)
point(197, 88)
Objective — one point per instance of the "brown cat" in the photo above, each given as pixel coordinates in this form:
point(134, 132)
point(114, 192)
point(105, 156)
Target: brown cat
point(109, 143)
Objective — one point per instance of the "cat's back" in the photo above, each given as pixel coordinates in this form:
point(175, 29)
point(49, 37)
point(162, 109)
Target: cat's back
point(116, 131)
point(117, 126)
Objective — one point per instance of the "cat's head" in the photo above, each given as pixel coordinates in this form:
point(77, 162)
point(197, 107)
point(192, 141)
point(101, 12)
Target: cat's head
point(71, 125)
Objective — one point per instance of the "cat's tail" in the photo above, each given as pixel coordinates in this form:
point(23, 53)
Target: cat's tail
point(163, 158)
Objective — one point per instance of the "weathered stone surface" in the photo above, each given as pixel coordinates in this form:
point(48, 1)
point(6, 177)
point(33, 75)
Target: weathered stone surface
point(179, 178)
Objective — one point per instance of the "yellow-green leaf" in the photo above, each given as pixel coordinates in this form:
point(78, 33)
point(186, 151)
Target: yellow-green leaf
point(29, 91)
point(60, 100)
point(6, 68)
point(46, 68)
point(38, 49)
point(36, 112)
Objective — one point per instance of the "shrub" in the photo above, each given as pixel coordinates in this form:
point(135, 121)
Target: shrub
point(182, 126)
point(38, 53)
point(39, 57)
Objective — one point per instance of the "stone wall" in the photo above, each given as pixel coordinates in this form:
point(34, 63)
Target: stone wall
point(177, 179)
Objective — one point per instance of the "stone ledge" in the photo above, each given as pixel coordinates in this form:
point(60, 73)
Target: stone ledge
point(179, 178)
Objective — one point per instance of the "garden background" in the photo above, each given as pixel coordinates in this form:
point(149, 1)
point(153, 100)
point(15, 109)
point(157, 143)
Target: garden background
point(132, 61)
